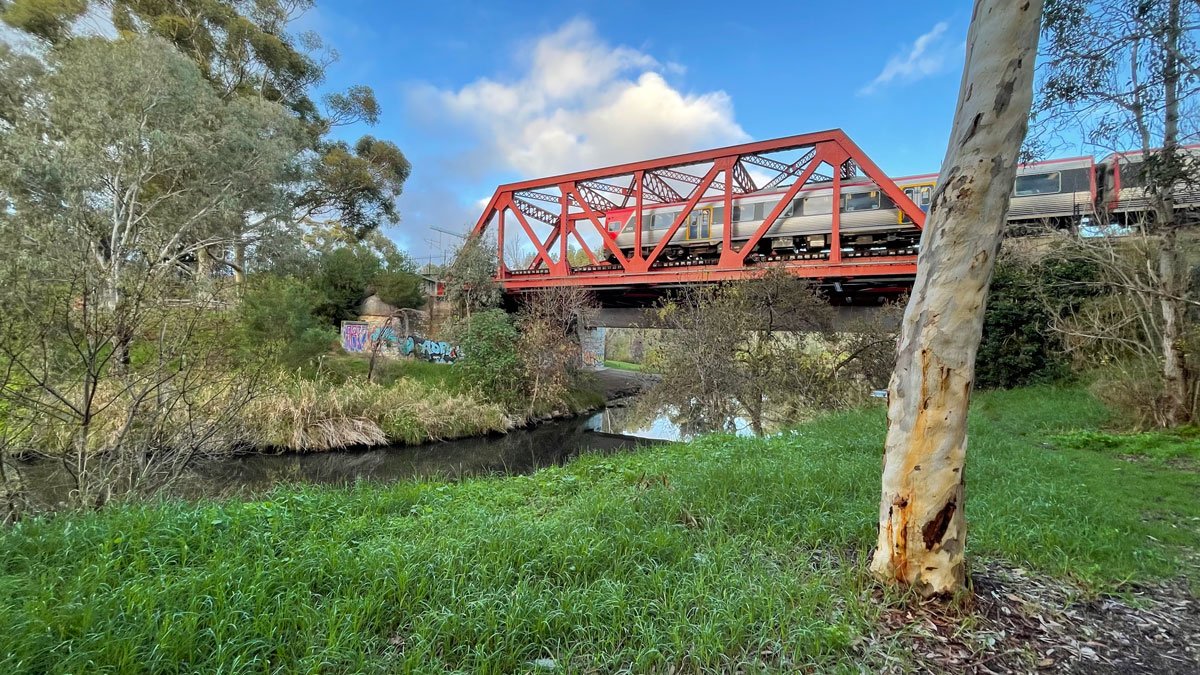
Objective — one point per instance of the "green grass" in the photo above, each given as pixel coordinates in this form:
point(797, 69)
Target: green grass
point(701, 556)
point(624, 365)
point(338, 368)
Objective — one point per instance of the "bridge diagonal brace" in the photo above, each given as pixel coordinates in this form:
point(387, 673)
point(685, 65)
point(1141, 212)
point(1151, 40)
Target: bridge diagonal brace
point(864, 164)
point(542, 253)
point(791, 169)
point(606, 237)
point(659, 188)
point(769, 221)
point(718, 166)
point(594, 199)
point(743, 179)
point(536, 212)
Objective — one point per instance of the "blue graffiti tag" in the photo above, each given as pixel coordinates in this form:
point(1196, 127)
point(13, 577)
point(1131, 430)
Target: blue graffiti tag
point(428, 350)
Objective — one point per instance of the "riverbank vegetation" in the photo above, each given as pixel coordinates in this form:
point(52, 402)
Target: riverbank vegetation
point(711, 555)
point(183, 248)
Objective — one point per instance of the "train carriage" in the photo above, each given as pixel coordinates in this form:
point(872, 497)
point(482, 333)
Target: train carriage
point(1125, 197)
point(1058, 193)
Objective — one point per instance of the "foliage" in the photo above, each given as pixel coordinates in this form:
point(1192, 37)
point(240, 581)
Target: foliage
point(1117, 328)
point(1029, 292)
point(343, 279)
point(347, 274)
point(1123, 76)
point(120, 165)
point(342, 368)
point(696, 556)
point(245, 51)
point(489, 360)
point(275, 316)
point(768, 348)
point(470, 277)
point(549, 322)
point(397, 282)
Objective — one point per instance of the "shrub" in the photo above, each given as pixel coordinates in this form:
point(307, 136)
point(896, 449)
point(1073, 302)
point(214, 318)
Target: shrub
point(276, 317)
point(489, 358)
point(1019, 346)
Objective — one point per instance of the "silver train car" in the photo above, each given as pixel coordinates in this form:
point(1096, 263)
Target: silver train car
point(1057, 193)
point(1124, 185)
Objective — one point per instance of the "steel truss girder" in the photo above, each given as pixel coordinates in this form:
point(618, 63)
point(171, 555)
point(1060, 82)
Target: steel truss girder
point(580, 201)
point(535, 211)
point(689, 179)
point(742, 178)
point(791, 169)
point(659, 188)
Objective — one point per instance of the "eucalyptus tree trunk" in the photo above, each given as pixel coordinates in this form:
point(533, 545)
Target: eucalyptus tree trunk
point(1171, 265)
point(922, 530)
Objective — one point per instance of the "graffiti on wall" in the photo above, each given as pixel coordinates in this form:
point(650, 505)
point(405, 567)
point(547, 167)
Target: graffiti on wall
point(359, 337)
point(354, 336)
point(429, 350)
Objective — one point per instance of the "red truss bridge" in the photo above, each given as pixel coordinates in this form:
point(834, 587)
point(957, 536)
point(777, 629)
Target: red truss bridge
point(814, 204)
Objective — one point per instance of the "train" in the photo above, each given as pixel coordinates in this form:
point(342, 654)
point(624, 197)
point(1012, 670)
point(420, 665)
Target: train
point(1059, 193)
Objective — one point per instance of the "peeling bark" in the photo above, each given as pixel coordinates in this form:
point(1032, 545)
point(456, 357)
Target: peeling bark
point(922, 530)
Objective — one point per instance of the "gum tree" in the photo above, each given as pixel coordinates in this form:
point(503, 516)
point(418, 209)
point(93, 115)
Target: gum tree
point(246, 51)
point(1126, 74)
point(922, 530)
point(117, 164)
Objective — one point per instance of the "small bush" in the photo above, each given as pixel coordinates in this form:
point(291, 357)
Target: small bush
point(276, 318)
point(489, 360)
point(1019, 347)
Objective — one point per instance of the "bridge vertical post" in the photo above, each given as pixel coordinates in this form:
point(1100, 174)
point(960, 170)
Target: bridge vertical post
point(835, 246)
point(727, 226)
point(564, 222)
point(500, 269)
point(637, 223)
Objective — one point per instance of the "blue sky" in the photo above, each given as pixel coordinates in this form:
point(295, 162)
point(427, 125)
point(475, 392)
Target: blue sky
point(478, 93)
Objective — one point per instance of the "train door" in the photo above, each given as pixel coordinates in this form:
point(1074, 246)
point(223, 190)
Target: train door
point(921, 195)
point(700, 224)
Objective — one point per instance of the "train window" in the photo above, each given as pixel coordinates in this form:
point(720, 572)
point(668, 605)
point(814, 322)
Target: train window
point(737, 214)
point(718, 214)
point(1038, 184)
point(698, 225)
point(791, 208)
point(920, 196)
point(815, 206)
point(760, 211)
point(926, 197)
point(861, 201)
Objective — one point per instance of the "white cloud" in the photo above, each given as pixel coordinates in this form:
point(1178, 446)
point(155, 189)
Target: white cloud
point(581, 103)
point(926, 56)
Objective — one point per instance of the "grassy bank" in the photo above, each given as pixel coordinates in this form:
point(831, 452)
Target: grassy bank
point(405, 402)
point(624, 365)
point(700, 556)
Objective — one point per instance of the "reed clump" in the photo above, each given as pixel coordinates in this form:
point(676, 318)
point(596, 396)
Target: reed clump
point(317, 415)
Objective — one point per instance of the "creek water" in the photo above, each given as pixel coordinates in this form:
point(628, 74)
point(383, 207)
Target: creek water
point(613, 429)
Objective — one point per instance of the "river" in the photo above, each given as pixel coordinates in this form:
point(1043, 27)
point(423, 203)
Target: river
point(613, 429)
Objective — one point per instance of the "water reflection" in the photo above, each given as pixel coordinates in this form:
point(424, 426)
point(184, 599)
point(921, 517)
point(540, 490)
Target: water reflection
point(666, 423)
